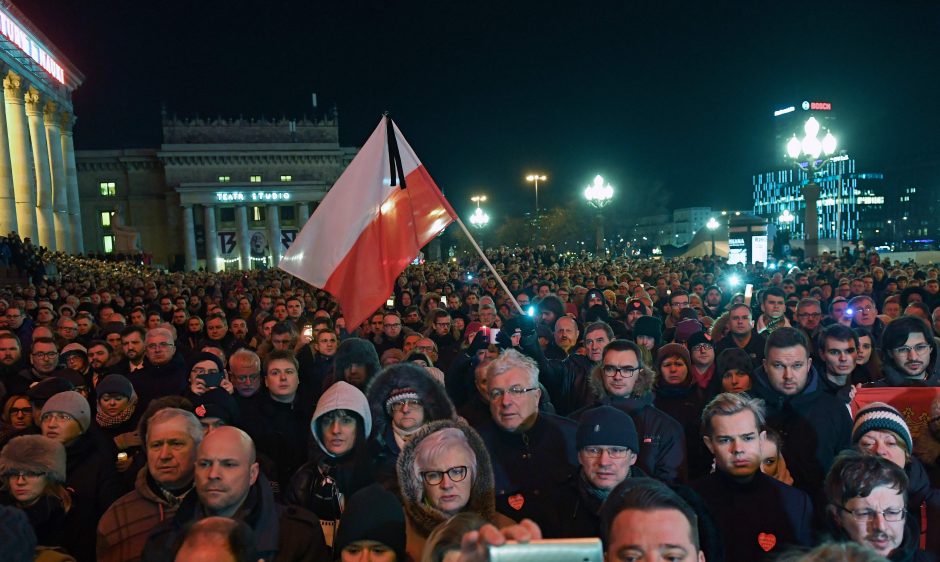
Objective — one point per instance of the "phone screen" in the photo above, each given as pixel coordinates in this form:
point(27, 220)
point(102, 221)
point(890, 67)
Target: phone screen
point(212, 380)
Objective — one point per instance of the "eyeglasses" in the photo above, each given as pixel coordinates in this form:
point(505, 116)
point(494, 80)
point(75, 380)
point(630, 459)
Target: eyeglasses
point(12, 316)
point(424, 348)
point(23, 411)
point(435, 477)
point(868, 308)
point(624, 371)
point(199, 371)
point(920, 349)
point(412, 404)
point(516, 391)
point(247, 378)
point(26, 474)
point(701, 346)
point(160, 345)
point(867, 515)
point(612, 452)
point(46, 355)
point(58, 416)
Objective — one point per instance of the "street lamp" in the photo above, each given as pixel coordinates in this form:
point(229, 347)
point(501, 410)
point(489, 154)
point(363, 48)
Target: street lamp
point(598, 196)
point(537, 178)
point(810, 148)
point(479, 218)
point(711, 225)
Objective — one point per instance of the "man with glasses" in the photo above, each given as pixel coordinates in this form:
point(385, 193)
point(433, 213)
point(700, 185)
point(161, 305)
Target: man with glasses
point(865, 314)
point(910, 356)
point(392, 336)
point(533, 453)
point(808, 317)
point(164, 371)
point(20, 324)
point(867, 497)
point(749, 507)
point(607, 442)
point(43, 362)
point(245, 371)
point(443, 337)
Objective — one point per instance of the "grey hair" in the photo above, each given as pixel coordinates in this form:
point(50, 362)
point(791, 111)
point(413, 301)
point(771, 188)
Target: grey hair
point(160, 330)
point(512, 359)
point(247, 356)
point(441, 441)
point(193, 427)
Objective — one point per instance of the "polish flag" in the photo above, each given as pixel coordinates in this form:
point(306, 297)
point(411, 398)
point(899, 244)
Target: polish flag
point(368, 228)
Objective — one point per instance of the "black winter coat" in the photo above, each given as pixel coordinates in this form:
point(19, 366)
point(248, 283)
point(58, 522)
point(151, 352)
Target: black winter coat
point(281, 432)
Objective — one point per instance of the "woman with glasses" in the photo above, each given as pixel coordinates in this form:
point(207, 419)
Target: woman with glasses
point(342, 463)
point(881, 430)
point(404, 398)
point(444, 470)
point(16, 417)
point(32, 476)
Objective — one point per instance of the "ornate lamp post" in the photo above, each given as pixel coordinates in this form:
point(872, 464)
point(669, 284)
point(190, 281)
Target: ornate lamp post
point(536, 178)
point(805, 153)
point(598, 196)
point(711, 225)
point(479, 218)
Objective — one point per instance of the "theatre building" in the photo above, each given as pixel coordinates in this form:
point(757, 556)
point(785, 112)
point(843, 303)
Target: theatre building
point(217, 194)
point(38, 187)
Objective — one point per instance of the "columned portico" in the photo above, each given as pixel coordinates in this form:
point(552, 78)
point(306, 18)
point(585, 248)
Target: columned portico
point(241, 233)
point(7, 191)
point(37, 133)
point(274, 233)
point(189, 233)
point(71, 179)
point(303, 214)
point(212, 241)
point(60, 198)
point(21, 156)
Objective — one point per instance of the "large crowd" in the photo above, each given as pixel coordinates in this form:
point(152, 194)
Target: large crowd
point(679, 409)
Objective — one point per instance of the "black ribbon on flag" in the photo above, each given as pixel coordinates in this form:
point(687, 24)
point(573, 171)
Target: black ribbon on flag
point(396, 170)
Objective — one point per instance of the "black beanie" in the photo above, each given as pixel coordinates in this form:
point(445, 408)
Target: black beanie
point(372, 514)
point(734, 358)
point(608, 426)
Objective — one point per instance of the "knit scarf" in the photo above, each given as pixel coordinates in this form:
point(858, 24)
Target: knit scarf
point(105, 420)
point(403, 436)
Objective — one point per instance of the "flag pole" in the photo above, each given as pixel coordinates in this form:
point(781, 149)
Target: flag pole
point(489, 265)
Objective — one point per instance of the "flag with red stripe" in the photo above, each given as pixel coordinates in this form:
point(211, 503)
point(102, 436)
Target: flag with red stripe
point(370, 225)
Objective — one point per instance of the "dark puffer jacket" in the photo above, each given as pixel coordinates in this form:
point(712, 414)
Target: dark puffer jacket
point(434, 399)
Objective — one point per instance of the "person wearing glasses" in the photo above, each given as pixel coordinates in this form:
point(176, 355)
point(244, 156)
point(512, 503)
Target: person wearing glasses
point(757, 516)
point(867, 504)
point(865, 314)
point(444, 470)
point(164, 372)
point(403, 398)
point(881, 430)
point(533, 452)
point(909, 354)
point(20, 324)
point(621, 379)
point(32, 478)
point(607, 442)
point(91, 474)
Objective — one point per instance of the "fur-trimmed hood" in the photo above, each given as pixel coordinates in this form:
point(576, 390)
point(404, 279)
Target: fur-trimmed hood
point(437, 405)
point(341, 396)
point(422, 515)
point(355, 351)
point(643, 387)
point(34, 453)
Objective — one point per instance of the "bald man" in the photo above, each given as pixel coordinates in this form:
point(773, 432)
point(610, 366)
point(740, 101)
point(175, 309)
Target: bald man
point(229, 484)
point(217, 539)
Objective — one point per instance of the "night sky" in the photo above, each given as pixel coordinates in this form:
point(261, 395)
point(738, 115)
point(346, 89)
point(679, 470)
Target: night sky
point(672, 99)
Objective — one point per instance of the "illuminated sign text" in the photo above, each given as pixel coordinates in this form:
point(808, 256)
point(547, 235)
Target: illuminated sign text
point(241, 196)
point(784, 111)
point(820, 106)
point(12, 30)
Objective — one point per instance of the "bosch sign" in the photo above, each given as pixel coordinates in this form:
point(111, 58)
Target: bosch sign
point(817, 106)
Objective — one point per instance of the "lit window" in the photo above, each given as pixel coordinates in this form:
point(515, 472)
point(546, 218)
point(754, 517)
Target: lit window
point(107, 188)
point(255, 179)
point(287, 178)
point(106, 218)
point(225, 179)
point(258, 214)
point(108, 244)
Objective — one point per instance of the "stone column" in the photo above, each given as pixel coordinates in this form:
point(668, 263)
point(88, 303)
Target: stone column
point(37, 135)
point(71, 180)
point(241, 234)
point(21, 157)
point(303, 214)
point(60, 193)
point(274, 233)
point(8, 221)
point(212, 241)
point(189, 233)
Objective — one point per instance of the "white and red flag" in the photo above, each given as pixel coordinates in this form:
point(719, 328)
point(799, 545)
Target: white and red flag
point(373, 222)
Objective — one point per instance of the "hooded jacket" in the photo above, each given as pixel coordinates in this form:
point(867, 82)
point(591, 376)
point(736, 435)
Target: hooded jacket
point(434, 399)
point(349, 472)
point(421, 518)
point(354, 351)
point(814, 425)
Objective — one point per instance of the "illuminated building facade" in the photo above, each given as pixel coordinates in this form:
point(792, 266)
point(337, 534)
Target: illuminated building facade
point(38, 183)
point(217, 194)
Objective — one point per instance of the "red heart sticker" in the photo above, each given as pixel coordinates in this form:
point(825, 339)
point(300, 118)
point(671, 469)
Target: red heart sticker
point(766, 541)
point(516, 502)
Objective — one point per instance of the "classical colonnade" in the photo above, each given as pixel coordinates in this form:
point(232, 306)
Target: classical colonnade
point(38, 179)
